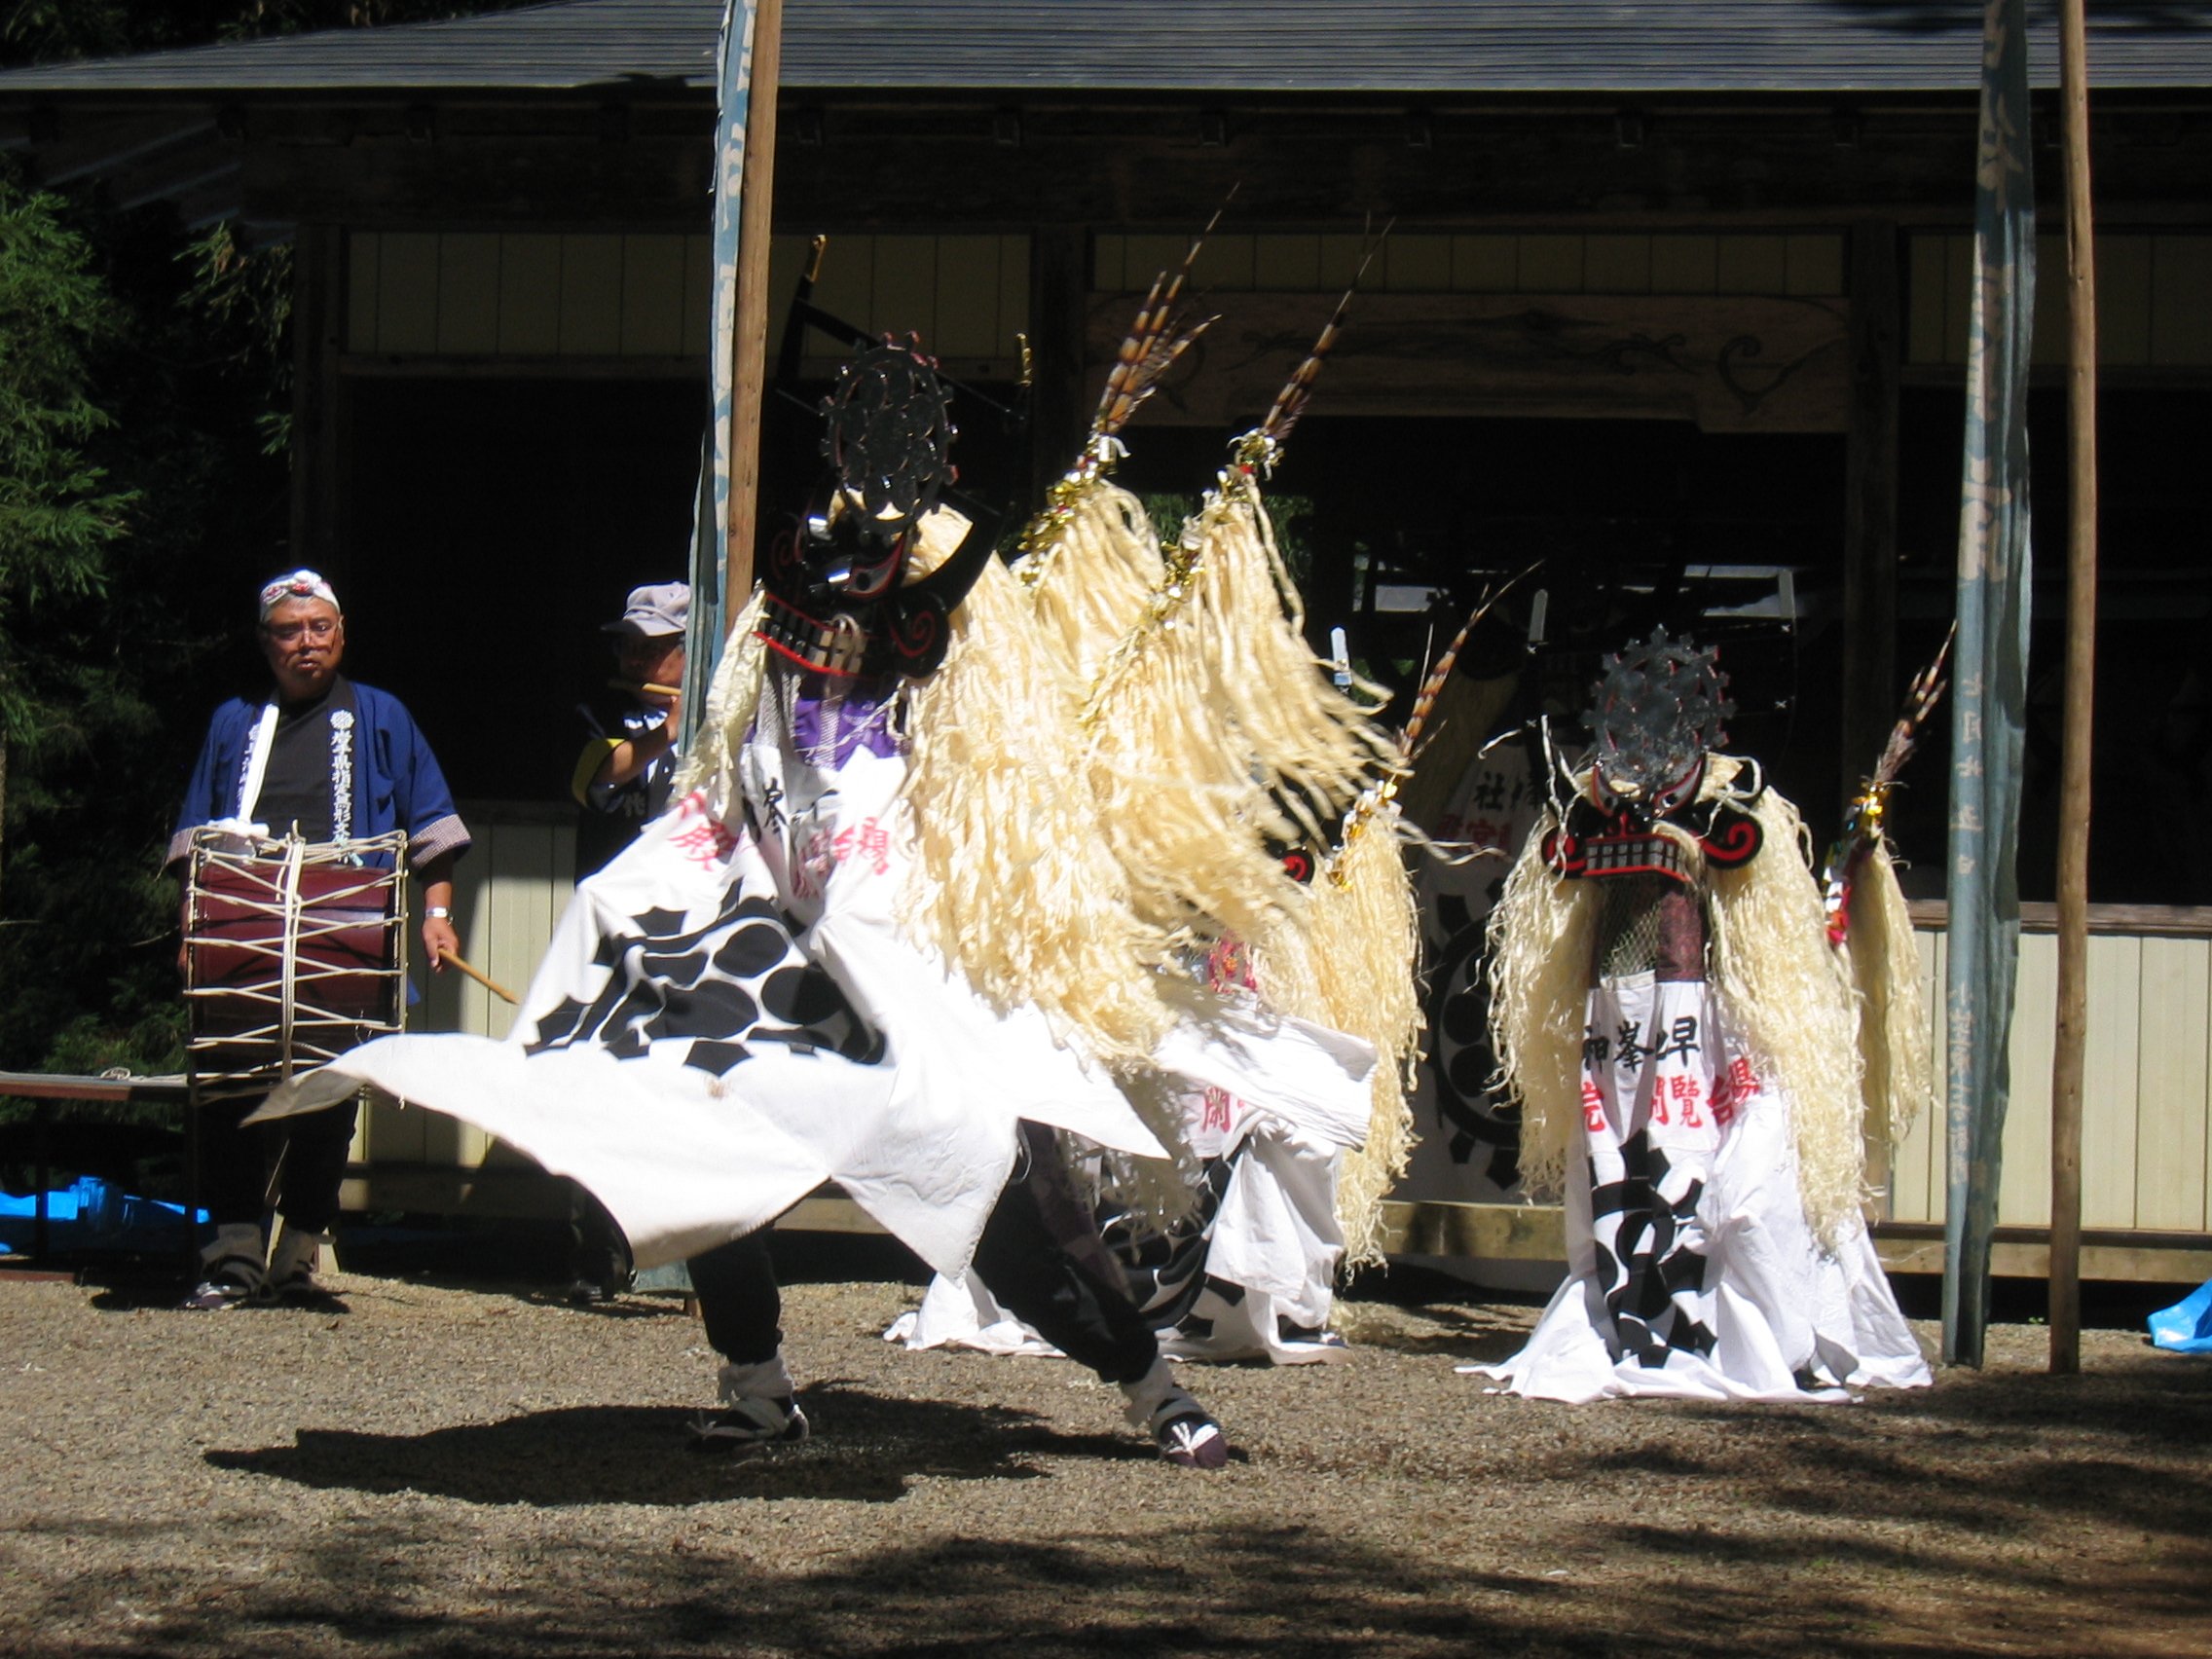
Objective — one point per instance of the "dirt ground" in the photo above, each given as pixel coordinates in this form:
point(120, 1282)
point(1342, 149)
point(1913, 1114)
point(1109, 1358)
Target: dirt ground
point(447, 1469)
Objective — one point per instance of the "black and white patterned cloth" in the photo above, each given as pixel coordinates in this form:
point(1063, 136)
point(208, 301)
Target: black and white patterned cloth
point(1692, 1270)
point(731, 1014)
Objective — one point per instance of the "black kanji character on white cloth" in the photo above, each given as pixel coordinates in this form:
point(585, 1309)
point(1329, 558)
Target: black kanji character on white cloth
point(1679, 1041)
point(1646, 1238)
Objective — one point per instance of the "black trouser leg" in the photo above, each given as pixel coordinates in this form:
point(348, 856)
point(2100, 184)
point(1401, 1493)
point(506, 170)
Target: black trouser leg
point(233, 1164)
point(1040, 1257)
point(599, 1254)
point(315, 1144)
point(738, 1298)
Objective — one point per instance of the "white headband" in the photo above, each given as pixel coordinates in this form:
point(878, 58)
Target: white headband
point(300, 584)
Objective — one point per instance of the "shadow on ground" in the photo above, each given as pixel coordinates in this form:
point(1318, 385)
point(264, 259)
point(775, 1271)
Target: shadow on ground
point(1123, 1587)
point(869, 1449)
point(2100, 1447)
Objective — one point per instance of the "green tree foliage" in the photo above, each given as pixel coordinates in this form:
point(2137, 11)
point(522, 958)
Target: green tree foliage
point(57, 520)
point(134, 398)
point(144, 420)
point(61, 521)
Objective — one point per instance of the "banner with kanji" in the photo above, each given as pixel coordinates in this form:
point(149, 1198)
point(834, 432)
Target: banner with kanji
point(703, 637)
point(1989, 695)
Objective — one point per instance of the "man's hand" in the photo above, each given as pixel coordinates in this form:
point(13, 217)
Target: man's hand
point(439, 937)
point(436, 880)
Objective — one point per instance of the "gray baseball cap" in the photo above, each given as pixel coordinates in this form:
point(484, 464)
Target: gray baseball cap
point(655, 611)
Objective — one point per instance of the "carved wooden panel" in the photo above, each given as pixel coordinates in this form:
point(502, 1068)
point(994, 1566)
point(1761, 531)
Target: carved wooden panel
point(1796, 263)
point(1728, 364)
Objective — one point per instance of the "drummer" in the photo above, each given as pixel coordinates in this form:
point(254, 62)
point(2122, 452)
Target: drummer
point(334, 760)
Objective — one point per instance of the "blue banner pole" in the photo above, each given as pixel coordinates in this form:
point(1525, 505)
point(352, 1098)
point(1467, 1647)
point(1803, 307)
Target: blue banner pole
point(710, 527)
point(1989, 698)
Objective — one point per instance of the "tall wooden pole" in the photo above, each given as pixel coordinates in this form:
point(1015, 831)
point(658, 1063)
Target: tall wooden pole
point(748, 326)
point(2081, 691)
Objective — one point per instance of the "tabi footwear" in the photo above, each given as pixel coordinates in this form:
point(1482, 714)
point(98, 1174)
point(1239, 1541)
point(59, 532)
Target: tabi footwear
point(1183, 1429)
point(1191, 1440)
point(231, 1282)
point(291, 1279)
point(748, 1422)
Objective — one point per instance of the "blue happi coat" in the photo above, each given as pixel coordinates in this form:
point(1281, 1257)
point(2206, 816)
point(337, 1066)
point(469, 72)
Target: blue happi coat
point(396, 781)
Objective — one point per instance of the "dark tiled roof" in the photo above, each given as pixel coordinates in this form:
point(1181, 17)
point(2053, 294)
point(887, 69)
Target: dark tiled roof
point(1419, 47)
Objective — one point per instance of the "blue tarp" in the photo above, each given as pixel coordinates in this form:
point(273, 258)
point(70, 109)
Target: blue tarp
point(2187, 1326)
point(91, 1214)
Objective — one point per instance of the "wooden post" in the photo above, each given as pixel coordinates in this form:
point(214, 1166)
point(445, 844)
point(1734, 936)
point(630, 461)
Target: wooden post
point(317, 339)
point(2081, 691)
point(1059, 283)
point(748, 346)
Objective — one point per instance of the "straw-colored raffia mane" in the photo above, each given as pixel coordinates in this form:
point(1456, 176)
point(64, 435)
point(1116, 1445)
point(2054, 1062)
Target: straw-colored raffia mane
point(1893, 1019)
point(1309, 741)
point(1541, 949)
point(1097, 574)
point(1787, 995)
point(1023, 894)
point(1211, 726)
point(731, 700)
point(1348, 962)
point(1777, 981)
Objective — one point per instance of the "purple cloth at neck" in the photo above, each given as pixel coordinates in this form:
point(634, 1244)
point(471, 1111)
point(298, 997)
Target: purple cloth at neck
point(859, 721)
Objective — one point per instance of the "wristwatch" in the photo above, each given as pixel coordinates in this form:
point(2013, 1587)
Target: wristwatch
point(436, 913)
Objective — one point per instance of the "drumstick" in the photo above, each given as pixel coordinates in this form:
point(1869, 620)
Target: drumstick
point(486, 981)
point(657, 690)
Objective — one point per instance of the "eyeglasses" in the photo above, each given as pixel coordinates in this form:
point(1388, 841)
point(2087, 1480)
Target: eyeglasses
point(318, 629)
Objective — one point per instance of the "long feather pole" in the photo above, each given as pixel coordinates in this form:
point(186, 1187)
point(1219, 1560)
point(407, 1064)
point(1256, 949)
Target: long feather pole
point(1290, 402)
point(1862, 818)
point(1154, 342)
point(1921, 697)
point(1372, 801)
point(1434, 687)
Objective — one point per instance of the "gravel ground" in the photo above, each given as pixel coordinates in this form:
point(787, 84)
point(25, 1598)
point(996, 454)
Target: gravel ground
point(458, 1471)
